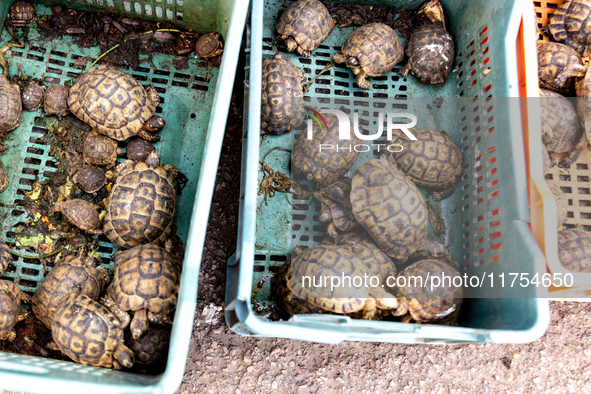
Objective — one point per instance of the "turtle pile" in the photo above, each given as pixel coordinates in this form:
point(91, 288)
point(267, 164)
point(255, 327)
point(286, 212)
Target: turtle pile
point(119, 319)
point(378, 218)
point(565, 94)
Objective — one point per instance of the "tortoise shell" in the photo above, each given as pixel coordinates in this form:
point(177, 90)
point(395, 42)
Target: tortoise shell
point(90, 179)
point(583, 90)
point(32, 96)
point(11, 111)
point(150, 348)
point(70, 275)
point(561, 128)
point(322, 165)
point(433, 160)
point(10, 306)
point(376, 47)
point(141, 206)
point(5, 257)
point(81, 214)
point(390, 207)
point(574, 249)
point(100, 150)
point(21, 13)
point(561, 203)
point(431, 53)
point(209, 45)
point(3, 180)
point(426, 303)
point(558, 64)
point(138, 149)
point(87, 331)
point(112, 102)
point(375, 260)
point(145, 277)
point(55, 100)
point(308, 22)
point(282, 93)
point(571, 23)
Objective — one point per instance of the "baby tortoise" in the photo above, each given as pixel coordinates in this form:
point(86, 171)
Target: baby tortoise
point(116, 104)
point(145, 281)
point(371, 51)
point(70, 275)
point(5, 257)
point(430, 50)
point(336, 208)
point(10, 309)
point(90, 179)
point(11, 111)
point(3, 180)
point(80, 213)
point(433, 161)
point(304, 25)
point(101, 151)
point(574, 249)
point(142, 203)
point(570, 23)
point(150, 348)
point(392, 210)
point(328, 165)
point(282, 95)
point(55, 100)
point(90, 334)
point(138, 149)
point(558, 65)
point(21, 13)
point(209, 45)
point(426, 303)
point(32, 96)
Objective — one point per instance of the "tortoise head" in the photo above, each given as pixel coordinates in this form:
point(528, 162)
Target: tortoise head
point(155, 123)
point(434, 11)
point(124, 355)
point(153, 160)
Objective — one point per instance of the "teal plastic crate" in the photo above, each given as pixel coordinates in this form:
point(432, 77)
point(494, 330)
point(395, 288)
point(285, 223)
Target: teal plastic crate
point(487, 221)
point(195, 104)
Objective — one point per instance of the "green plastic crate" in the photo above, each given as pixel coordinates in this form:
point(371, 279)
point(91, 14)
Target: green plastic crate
point(194, 104)
point(485, 35)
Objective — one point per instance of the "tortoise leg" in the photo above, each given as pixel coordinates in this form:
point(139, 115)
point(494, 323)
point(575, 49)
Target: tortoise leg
point(383, 299)
point(97, 231)
point(332, 232)
point(291, 43)
point(51, 345)
point(25, 298)
point(10, 336)
point(118, 312)
point(407, 318)
point(572, 156)
point(124, 356)
point(139, 324)
point(369, 310)
point(158, 318)
point(362, 81)
point(402, 307)
point(404, 70)
point(340, 57)
point(145, 134)
point(103, 277)
point(303, 52)
point(442, 194)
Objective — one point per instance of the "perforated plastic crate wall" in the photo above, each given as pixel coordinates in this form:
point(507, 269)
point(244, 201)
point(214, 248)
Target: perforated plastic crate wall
point(194, 104)
point(488, 229)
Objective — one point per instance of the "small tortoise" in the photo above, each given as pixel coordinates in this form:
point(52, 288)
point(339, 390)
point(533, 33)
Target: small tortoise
point(3, 180)
point(70, 275)
point(433, 161)
point(574, 250)
point(11, 111)
point(209, 45)
point(392, 210)
point(561, 129)
point(21, 13)
point(282, 94)
point(427, 303)
point(430, 51)
point(297, 296)
point(304, 25)
point(90, 179)
point(116, 104)
point(145, 281)
point(371, 51)
point(561, 203)
point(323, 165)
point(101, 151)
point(570, 23)
point(142, 203)
point(5, 257)
point(150, 348)
point(336, 208)
point(32, 96)
point(55, 100)
point(138, 149)
point(10, 309)
point(558, 65)
point(81, 214)
point(90, 334)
